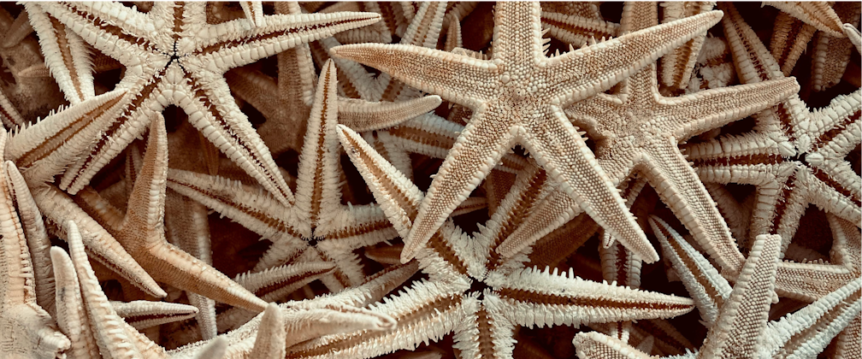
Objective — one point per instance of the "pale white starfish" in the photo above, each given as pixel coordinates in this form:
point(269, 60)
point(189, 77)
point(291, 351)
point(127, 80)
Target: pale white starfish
point(172, 56)
point(519, 95)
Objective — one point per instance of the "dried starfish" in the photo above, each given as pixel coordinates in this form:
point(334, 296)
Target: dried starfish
point(519, 75)
point(738, 324)
point(678, 64)
point(817, 14)
point(832, 55)
point(185, 67)
point(469, 290)
point(318, 224)
point(578, 28)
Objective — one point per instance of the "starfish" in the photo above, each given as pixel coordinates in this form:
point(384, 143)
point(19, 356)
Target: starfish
point(577, 27)
point(318, 225)
point(832, 55)
point(738, 317)
point(468, 289)
point(185, 67)
point(640, 129)
point(519, 94)
point(820, 15)
point(678, 64)
point(818, 174)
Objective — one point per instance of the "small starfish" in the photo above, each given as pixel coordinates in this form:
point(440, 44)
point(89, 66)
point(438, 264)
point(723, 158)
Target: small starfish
point(141, 232)
point(330, 229)
point(185, 67)
point(468, 289)
point(520, 94)
point(738, 324)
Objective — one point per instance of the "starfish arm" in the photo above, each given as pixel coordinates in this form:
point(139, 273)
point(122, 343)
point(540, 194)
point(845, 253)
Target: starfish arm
point(558, 245)
point(554, 211)
point(257, 89)
point(142, 314)
point(853, 34)
point(236, 43)
point(831, 194)
point(819, 15)
point(271, 336)
point(847, 243)
point(680, 188)
point(808, 281)
point(717, 107)
point(71, 316)
point(376, 286)
point(743, 317)
point(254, 11)
point(594, 345)
point(790, 38)
point(362, 116)
point(577, 30)
point(532, 297)
point(571, 76)
point(101, 245)
point(570, 165)
point(103, 318)
point(738, 216)
point(46, 148)
point(453, 36)
point(37, 237)
point(849, 341)
point(829, 123)
point(703, 282)
point(678, 64)
point(17, 30)
point(356, 81)
point(274, 284)
point(425, 311)
point(65, 55)
point(8, 114)
point(460, 79)
point(97, 24)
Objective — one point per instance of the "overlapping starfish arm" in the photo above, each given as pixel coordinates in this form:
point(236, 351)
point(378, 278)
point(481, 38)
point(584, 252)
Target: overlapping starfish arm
point(534, 297)
point(678, 64)
point(65, 55)
point(45, 149)
point(380, 32)
point(101, 245)
point(849, 341)
point(819, 15)
point(577, 30)
point(271, 336)
point(142, 314)
point(107, 326)
point(853, 34)
point(367, 116)
point(790, 38)
point(846, 243)
point(595, 345)
point(275, 284)
point(705, 285)
point(8, 114)
point(832, 55)
point(70, 313)
point(253, 11)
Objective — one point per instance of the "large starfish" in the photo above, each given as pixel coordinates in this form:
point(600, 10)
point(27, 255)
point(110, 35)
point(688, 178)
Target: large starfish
point(738, 317)
point(471, 291)
point(317, 224)
point(519, 94)
point(639, 130)
point(185, 66)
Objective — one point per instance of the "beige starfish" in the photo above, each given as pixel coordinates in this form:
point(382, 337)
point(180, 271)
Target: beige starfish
point(185, 67)
point(817, 14)
point(832, 55)
point(738, 317)
point(677, 65)
point(519, 94)
point(469, 290)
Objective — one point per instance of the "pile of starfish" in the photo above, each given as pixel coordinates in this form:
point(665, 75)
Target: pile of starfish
point(430, 180)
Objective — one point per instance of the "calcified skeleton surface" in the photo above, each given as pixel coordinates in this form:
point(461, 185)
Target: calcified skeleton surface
point(430, 180)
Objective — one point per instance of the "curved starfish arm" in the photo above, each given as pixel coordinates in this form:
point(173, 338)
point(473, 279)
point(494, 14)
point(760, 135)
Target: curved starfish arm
point(37, 237)
point(819, 15)
point(101, 245)
point(570, 75)
point(425, 311)
point(808, 331)
point(718, 107)
point(744, 314)
point(460, 79)
point(703, 282)
point(577, 30)
point(271, 337)
point(65, 55)
point(564, 154)
point(532, 297)
point(48, 147)
point(362, 115)
point(680, 188)
point(594, 345)
point(219, 53)
point(790, 38)
point(254, 12)
point(103, 318)
point(142, 314)
point(71, 316)
point(91, 21)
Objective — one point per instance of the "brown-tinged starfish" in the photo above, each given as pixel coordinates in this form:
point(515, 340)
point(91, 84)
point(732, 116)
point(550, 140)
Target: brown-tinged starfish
point(519, 94)
point(639, 130)
point(317, 224)
point(738, 317)
point(185, 67)
point(141, 231)
point(818, 14)
point(831, 54)
point(714, 68)
point(27, 329)
point(819, 174)
point(790, 38)
point(677, 65)
point(471, 291)
point(579, 26)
